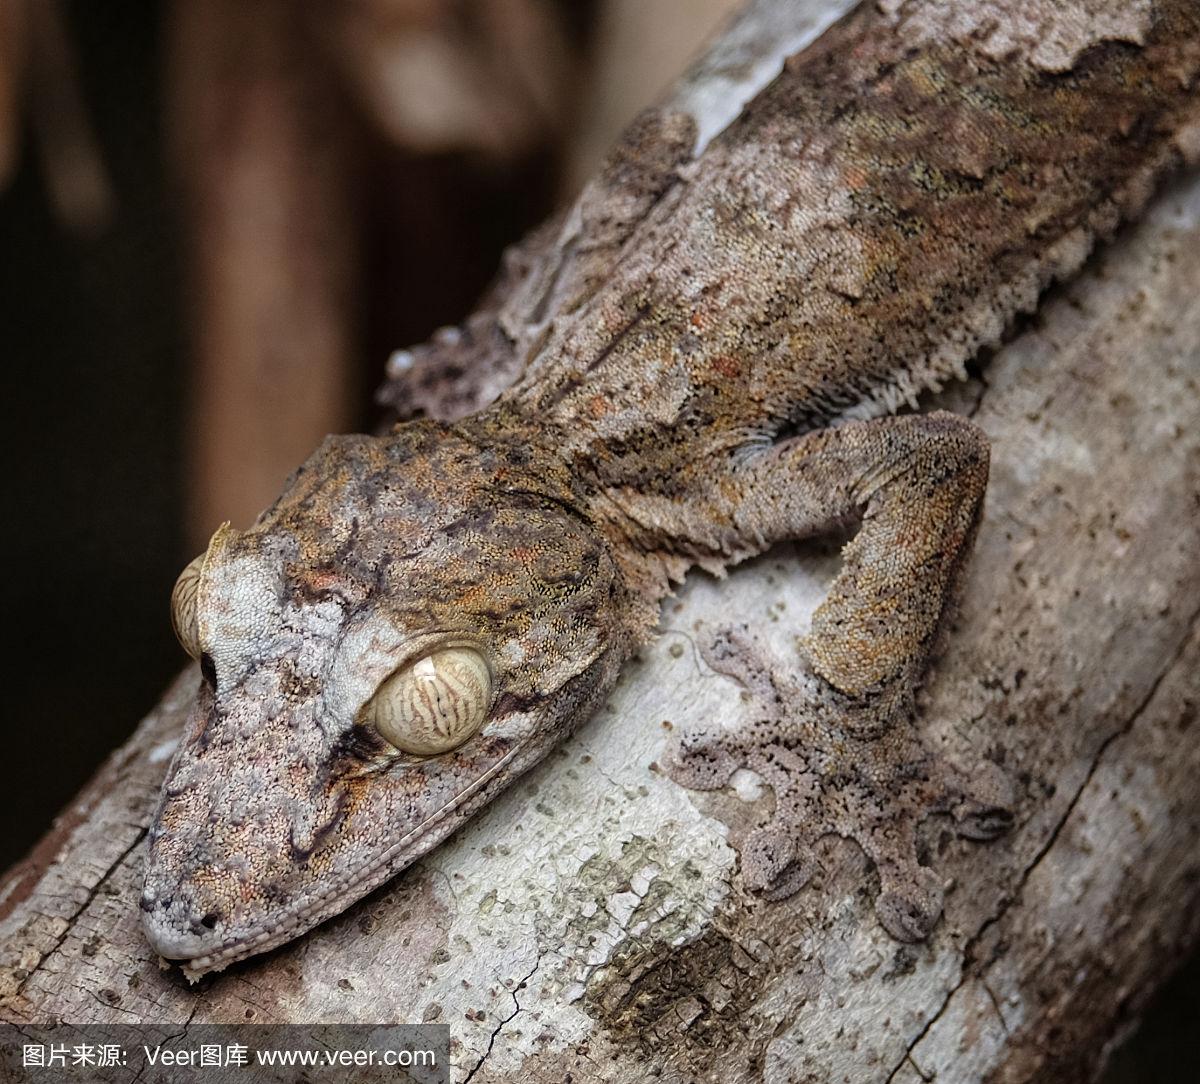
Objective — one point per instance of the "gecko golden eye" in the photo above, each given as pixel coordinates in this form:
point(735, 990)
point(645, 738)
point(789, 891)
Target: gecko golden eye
point(434, 705)
point(183, 607)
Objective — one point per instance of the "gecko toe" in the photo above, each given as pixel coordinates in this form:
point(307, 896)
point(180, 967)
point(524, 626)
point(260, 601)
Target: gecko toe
point(986, 808)
point(728, 647)
point(984, 824)
point(771, 864)
point(910, 906)
point(737, 653)
point(702, 760)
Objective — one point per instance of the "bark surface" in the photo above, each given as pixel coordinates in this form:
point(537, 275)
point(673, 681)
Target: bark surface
point(591, 924)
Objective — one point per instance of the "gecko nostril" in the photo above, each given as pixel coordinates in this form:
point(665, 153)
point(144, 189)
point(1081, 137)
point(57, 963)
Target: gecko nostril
point(209, 920)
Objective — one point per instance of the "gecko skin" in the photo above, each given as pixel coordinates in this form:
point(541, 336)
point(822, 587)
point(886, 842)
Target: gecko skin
point(725, 342)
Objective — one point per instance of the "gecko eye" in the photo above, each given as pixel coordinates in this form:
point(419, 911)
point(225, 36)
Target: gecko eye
point(434, 705)
point(183, 607)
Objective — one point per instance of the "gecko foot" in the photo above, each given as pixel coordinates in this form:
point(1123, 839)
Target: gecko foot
point(832, 777)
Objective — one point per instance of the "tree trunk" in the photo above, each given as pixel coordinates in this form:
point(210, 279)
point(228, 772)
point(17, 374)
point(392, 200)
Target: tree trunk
point(590, 924)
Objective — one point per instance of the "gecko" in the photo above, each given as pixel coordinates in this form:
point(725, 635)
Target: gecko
point(726, 352)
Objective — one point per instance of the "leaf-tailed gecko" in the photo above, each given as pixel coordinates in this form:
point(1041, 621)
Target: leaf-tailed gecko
point(422, 615)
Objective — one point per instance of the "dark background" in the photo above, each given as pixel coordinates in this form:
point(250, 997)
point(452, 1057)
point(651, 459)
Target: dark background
point(95, 335)
point(94, 353)
point(96, 349)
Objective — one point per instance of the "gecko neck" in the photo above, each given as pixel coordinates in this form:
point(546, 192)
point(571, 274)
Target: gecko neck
point(571, 466)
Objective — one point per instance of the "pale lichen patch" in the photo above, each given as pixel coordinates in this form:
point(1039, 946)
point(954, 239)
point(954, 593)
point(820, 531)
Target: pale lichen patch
point(1050, 34)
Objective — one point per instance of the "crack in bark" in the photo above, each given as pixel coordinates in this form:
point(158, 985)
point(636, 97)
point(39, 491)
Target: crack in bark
point(1121, 731)
point(995, 1005)
point(503, 1023)
point(87, 902)
point(170, 1038)
point(917, 1069)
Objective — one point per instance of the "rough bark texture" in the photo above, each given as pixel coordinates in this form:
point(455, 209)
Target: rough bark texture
point(591, 925)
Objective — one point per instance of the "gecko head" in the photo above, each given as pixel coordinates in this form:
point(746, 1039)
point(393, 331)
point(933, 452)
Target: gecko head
point(417, 619)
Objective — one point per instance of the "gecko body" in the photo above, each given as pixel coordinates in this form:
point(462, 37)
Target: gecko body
point(424, 614)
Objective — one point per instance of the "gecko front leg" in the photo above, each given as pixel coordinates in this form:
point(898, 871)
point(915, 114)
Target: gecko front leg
point(839, 746)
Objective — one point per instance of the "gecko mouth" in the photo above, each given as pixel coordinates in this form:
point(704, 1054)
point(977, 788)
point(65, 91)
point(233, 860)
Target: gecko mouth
point(312, 910)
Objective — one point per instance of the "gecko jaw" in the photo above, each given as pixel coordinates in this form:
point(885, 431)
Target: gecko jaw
point(336, 898)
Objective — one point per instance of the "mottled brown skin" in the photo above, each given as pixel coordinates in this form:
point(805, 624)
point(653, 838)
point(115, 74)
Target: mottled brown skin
point(695, 391)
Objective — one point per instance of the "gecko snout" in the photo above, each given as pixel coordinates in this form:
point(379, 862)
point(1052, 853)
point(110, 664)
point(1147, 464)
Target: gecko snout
point(178, 926)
